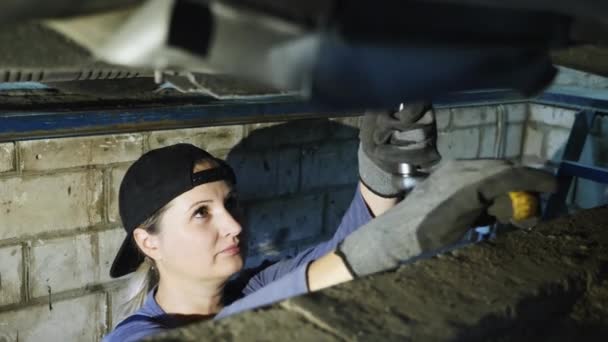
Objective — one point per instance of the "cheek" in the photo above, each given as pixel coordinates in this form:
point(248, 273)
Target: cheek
point(191, 246)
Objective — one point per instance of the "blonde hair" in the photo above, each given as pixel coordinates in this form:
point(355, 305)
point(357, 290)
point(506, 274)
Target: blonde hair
point(146, 277)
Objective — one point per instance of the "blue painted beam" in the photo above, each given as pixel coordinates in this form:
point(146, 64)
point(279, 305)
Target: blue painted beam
point(20, 125)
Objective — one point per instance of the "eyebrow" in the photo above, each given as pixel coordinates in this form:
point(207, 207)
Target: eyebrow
point(229, 194)
point(199, 202)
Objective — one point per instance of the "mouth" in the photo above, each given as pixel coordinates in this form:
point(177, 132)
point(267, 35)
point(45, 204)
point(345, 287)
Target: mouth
point(231, 250)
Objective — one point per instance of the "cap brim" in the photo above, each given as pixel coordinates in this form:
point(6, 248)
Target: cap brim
point(127, 259)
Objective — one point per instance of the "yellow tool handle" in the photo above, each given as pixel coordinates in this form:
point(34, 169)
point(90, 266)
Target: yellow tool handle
point(525, 205)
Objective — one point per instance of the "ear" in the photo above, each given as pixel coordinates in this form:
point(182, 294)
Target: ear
point(148, 243)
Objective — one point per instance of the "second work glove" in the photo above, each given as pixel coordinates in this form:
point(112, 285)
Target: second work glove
point(437, 212)
point(391, 138)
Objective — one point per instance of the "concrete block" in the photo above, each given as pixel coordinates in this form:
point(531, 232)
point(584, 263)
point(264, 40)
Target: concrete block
point(51, 154)
point(49, 203)
point(462, 143)
point(62, 264)
point(11, 270)
point(513, 146)
point(556, 142)
point(533, 141)
point(296, 132)
point(330, 164)
point(109, 241)
point(276, 223)
point(489, 141)
point(473, 116)
point(267, 173)
point(7, 157)
point(443, 117)
point(517, 112)
point(208, 138)
point(116, 176)
point(550, 115)
point(337, 203)
point(77, 319)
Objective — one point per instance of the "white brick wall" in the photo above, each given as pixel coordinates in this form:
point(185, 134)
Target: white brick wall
point(273, 224)
point(109, 241)
point(11, 270)
point(63, 264)
point(210, 138)
point(296, 178)
point(72, 152)
point(462, 143)
point(78, 319)
point(7, 157)
point(49, 203)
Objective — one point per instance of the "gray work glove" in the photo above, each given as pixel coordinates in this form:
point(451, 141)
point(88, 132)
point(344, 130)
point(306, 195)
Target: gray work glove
point(437, 212)
point(390, 138)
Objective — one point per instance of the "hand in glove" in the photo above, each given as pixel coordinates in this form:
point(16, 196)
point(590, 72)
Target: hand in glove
point(437, 212)
point(391, 138)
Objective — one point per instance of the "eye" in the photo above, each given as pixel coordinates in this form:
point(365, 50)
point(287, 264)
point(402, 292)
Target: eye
point(201, 212)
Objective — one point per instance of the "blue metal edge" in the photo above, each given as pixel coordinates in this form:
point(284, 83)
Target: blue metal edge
point(16, 125)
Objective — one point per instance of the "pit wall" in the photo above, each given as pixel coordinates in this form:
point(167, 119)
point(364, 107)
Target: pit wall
point(59, 223)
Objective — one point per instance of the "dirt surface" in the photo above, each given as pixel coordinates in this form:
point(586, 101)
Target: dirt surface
point(548, 283)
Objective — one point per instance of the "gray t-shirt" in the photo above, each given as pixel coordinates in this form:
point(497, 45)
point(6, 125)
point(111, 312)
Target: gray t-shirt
point(282, 280)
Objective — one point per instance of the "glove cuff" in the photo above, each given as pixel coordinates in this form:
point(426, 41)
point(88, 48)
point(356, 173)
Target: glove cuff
point(374, 178)
point(342, 256)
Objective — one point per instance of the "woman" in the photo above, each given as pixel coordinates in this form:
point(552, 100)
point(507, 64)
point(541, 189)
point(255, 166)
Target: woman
point(179, 208)
point(184, 236)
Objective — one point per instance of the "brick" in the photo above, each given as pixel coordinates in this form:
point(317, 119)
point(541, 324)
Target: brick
point(514, 141)
point(208, 138)
point(51, 154)
point(556, 142)
point(511, 145)
point(109, 241)
point(473, 116)
point(462, 143)
point(49, 203)
point(11, 269)
point(533, 141)
point(296, 132)
point(62, 264)
point(277, 223)
point(330, 164)
point(554, 116)
point(516, 113)
point(116, 176)
point(7, 157)
point(337, 203)
point(443, 116)
point(489, 141)
point(78, 319)
point(267, 173)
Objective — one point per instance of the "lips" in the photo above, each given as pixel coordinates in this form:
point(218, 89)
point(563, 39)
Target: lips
point(231, 250)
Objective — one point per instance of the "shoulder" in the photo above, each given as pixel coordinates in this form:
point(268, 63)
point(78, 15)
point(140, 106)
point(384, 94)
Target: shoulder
point(134, 328)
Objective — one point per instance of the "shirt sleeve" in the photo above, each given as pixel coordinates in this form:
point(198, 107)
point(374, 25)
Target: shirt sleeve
point(355, 216)
point(291, 285)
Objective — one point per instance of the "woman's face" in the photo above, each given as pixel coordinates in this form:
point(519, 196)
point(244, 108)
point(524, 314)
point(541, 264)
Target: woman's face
point(199, 234)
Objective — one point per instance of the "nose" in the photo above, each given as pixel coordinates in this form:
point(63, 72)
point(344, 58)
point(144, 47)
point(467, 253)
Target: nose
point(229, 225)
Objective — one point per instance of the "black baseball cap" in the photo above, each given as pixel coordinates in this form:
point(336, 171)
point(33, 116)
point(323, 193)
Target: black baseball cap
point(151, 182)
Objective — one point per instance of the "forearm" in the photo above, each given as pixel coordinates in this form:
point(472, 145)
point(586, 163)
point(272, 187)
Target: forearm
point(327, 271)
point(376, 204)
